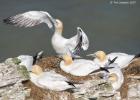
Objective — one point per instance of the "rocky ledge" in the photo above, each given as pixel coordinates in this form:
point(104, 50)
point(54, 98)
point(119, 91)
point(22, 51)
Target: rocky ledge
point(15, 83)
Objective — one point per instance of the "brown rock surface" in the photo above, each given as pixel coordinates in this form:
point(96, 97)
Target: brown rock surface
point(130, 72)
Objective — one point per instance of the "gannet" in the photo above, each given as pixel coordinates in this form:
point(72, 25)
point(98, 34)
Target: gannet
point(122, 60)
point(78, 67)
point(60, 44)
point(115, 76)
point(28, 61)
point(50, 80)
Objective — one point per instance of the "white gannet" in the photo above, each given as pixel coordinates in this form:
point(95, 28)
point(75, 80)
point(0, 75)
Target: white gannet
point(115, 76)
point(122, 60)
point(78, 67)
point(60, 44)
point(28, 61)
point(50, 80)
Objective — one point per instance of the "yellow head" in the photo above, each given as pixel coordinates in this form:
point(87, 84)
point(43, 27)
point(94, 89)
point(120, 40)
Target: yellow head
point(113, 77)
point(36, 69)
point(101, 55)
point(67, 59)
point(59, 26)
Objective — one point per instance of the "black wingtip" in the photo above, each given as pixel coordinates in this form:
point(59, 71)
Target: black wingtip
point(37, 56)
point(137, 56)
point(112, 61)
point(8, 21)
point(104, 69)
point(70, 83)
point(79, 29)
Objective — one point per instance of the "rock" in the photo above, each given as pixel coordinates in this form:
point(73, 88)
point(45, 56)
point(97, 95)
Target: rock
point(15, 84)
point(11, 77)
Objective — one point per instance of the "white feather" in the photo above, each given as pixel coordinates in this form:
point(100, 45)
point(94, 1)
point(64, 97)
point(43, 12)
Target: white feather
point(79, 67)
point(26, 61)
point(32, 18)
point(51, 80)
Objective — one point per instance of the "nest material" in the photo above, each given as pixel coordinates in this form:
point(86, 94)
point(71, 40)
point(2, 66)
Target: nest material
point(43, 94)
point(53, 62)
point(133, 70)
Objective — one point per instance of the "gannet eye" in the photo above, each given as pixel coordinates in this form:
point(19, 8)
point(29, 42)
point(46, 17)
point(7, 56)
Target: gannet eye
point(57, 22)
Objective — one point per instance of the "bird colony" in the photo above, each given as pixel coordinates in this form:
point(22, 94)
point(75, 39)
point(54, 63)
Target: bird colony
point(68, 49)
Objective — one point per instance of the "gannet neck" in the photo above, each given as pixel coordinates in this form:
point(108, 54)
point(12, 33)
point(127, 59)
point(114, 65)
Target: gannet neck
point(58, 27)
point(67, 60)
point(37, 69)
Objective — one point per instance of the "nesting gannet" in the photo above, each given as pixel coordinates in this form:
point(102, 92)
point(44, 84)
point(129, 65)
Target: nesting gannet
point(50, 80)
point(78, 67)
point(122, 60)
point(115, 76)
point(60, 44)
point(28, 61)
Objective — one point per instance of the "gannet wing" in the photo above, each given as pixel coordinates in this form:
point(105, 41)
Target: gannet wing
point(30, 18)
point(77, 49)
point(82, 41)
point(82, 37)
point(78, 42)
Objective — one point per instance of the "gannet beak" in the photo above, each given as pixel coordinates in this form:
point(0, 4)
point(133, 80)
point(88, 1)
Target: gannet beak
point(54, 23)
point(77, 56)
point(91, 55)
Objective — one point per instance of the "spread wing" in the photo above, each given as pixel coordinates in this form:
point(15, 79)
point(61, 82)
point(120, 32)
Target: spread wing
point(82, 41)
point(31, 18)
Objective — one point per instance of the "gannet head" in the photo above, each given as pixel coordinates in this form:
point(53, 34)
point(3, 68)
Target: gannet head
point(36, 69)
point(67, 59)
point(101, 55)
point(116, 77)
point(113, 78)
point(58, 26)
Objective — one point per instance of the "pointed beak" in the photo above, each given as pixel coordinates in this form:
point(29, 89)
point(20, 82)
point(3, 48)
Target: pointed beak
point(91, 55)
point(77, 56)
point(54, 23)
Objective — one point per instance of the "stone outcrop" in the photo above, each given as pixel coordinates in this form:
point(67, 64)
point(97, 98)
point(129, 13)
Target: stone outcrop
point(15, 83)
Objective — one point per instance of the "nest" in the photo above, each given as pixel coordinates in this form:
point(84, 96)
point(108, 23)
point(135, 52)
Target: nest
point(133, 70)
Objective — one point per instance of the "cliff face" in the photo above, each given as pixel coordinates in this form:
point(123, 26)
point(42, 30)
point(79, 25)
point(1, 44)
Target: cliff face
point(15, 84)
point(11, 78)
